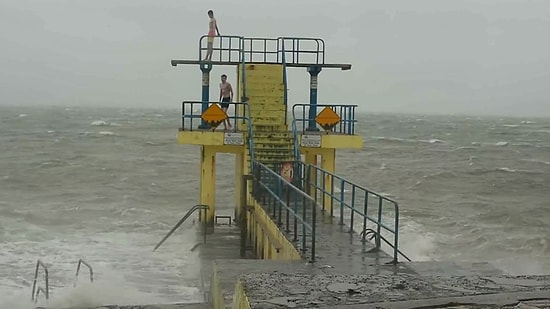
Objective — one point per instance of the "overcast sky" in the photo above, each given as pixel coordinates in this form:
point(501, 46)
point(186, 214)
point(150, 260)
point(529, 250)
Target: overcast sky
point(422, 56)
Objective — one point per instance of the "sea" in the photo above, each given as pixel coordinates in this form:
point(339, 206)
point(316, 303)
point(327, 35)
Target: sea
point(105, 184)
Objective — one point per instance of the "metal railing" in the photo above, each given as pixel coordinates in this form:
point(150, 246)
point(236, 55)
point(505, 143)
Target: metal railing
point(313, 49)
point(226, 47)
point(346, 125)
point(82, 262)
point(234, 49)
point(46, 290)
point(189, 212)
point(351, 201)
point(288, 205)
point(192, 111)
point(265, 50)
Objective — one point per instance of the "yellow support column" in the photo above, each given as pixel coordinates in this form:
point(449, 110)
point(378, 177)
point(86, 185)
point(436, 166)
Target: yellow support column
point(328, 163)
point(311, 158)
point(208, 182)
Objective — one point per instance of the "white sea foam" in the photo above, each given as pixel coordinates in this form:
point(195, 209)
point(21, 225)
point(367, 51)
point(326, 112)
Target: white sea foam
point(106, 133)
point(100, 123)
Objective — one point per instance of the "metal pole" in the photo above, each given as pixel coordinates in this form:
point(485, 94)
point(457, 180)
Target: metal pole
point(313, 73)
point(205, 69)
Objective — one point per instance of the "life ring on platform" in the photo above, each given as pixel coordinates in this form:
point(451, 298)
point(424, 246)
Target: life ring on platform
point(287, 171)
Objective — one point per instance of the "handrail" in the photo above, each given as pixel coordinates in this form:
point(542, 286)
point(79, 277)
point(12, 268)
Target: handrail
point(275, 185)
point(82, 262)
point(220, 39)
point(236, 48)
point(189, 212)
point(327, 193)
point(247, 113)
point(46, 277)
point(296, 51)
point(285, 79)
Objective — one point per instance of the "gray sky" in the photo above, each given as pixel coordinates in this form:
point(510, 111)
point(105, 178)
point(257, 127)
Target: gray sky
point(423, 56)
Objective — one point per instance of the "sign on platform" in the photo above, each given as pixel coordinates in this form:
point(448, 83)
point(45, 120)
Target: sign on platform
point(233, 138)
point(313, 140)
point(327, 118)
point(214, 115)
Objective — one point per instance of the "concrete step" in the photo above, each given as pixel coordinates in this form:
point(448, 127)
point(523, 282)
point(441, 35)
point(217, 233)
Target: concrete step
point(274, 146)
point(269, 120)
point(273, 134)
point(264, 126)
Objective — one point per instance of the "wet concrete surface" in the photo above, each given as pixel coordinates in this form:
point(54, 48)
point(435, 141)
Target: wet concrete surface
point(350, 274)
point(173, 306)
point(222, 243)
point(292, 290)
point(288, 284)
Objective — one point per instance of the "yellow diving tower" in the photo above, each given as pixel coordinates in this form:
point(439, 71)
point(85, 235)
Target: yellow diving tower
point(289, 202)
point(263, 132)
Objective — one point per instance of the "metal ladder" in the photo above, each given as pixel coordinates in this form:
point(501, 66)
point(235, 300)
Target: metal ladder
point(46, 289)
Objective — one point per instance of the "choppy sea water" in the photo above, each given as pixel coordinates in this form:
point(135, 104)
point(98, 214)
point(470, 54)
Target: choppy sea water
point(105, 184)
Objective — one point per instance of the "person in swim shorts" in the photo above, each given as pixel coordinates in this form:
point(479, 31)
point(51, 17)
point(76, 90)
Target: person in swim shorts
point(212, 30)
point(226, 97)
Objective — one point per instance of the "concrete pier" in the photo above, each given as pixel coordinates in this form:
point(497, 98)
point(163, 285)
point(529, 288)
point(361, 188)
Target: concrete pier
point(349, 274)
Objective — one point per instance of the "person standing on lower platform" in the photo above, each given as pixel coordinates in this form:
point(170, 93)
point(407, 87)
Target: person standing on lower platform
point(226, 97)
point(212, 30)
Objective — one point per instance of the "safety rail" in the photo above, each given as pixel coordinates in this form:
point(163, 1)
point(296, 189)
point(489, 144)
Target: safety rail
point(82, 262)
point(288, 205)
point(45, 291)
point(192, 111)
point(346, 125)
point(189, 212)
point(314, 47)
point(235, 49)
point(285, 80)
point(297, 155)
point(248, 114)
point(265, 50)
point(327, 188)
point(230, 48)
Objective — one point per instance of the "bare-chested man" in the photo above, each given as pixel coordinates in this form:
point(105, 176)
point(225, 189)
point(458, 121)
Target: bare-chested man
point(226, 96)
point(212, 30)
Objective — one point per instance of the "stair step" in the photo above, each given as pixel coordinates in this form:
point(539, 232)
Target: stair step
point(286, 149)
point(270, 136)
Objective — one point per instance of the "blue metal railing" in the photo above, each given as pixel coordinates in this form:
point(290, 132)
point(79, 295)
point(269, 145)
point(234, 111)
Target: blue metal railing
point(285, 79)
point(288, 205)
point(234, 49)
point(191, 114)
point(346, 125)
point(313, 49)
point(226, 47)
point(352, 200)
point(247, 113)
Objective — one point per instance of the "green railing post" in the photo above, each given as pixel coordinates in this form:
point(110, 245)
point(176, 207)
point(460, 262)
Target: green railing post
point(342, 189)
point(366, 204)
point(379, 227)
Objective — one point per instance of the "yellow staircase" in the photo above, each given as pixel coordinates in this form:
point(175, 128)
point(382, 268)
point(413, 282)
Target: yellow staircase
point(273, 142)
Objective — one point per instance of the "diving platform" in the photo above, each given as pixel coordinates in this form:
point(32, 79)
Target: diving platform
point(343, 67)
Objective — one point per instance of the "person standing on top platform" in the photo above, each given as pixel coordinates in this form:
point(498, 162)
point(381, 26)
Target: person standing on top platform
point(212, 30)
point(226, 96)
